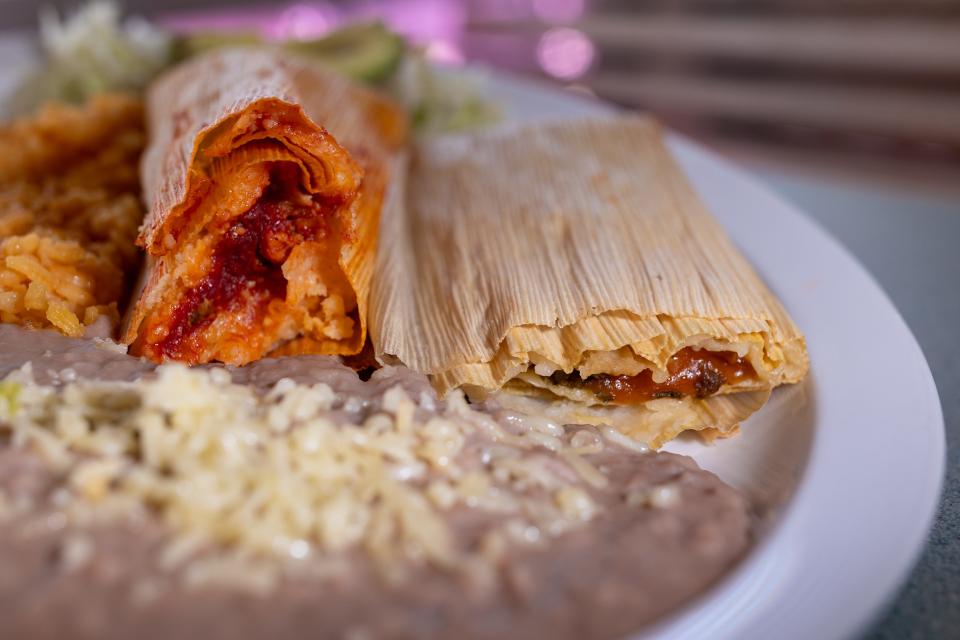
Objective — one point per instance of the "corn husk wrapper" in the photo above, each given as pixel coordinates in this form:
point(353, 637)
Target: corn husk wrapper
point(572, 246)
point(216, 124)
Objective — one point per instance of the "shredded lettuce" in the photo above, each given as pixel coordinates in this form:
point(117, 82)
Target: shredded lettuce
point(90, 52)
point(441, 100)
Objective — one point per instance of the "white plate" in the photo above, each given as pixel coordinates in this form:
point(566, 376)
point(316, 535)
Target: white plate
point(848, 465)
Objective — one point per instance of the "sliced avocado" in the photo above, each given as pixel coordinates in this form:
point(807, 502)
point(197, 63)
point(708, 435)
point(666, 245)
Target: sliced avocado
point(191, 44)
point(368, 52)
point(10, 394)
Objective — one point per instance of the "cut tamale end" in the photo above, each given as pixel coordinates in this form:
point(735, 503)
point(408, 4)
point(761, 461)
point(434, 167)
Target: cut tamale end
point(265, 177)
point(573, 262)
point(655, 422)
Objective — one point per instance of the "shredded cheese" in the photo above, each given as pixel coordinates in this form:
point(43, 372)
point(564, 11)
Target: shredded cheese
point(293, 473)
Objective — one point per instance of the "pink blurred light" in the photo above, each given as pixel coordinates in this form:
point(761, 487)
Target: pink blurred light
point(443, 51)
point(565, 53)
point(258, 20)
point(420, 20)
point(423, 21)
point(558, 11)
point(303, 21)
point(500, 10)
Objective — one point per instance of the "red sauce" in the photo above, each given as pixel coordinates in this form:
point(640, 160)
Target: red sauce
point(692, 372)
point(245, 268)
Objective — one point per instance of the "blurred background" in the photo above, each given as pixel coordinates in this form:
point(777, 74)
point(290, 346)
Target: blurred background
point(849, 108)
point(865, 89)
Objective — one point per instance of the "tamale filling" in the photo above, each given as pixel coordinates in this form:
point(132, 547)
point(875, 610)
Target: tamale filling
point(698, 373)
point(246, 266)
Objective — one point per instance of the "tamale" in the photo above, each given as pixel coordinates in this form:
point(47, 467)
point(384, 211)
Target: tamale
point(570, 268)
point(264, 177)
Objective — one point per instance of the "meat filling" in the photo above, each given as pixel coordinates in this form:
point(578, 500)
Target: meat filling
point(245, 273)
point(691, 372)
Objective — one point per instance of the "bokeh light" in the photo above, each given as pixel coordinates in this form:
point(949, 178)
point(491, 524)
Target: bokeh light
point(444, 51)
point(565, 53)
point(303, 21)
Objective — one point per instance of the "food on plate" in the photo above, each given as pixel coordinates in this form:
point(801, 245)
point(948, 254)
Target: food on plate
point(69, 211)
point(93, 50)
point(264, 178)
point(288, 495)
point(569, 268)
point(547, 304)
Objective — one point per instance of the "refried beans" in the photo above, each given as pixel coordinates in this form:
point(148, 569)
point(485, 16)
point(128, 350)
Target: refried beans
point(655, 530)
